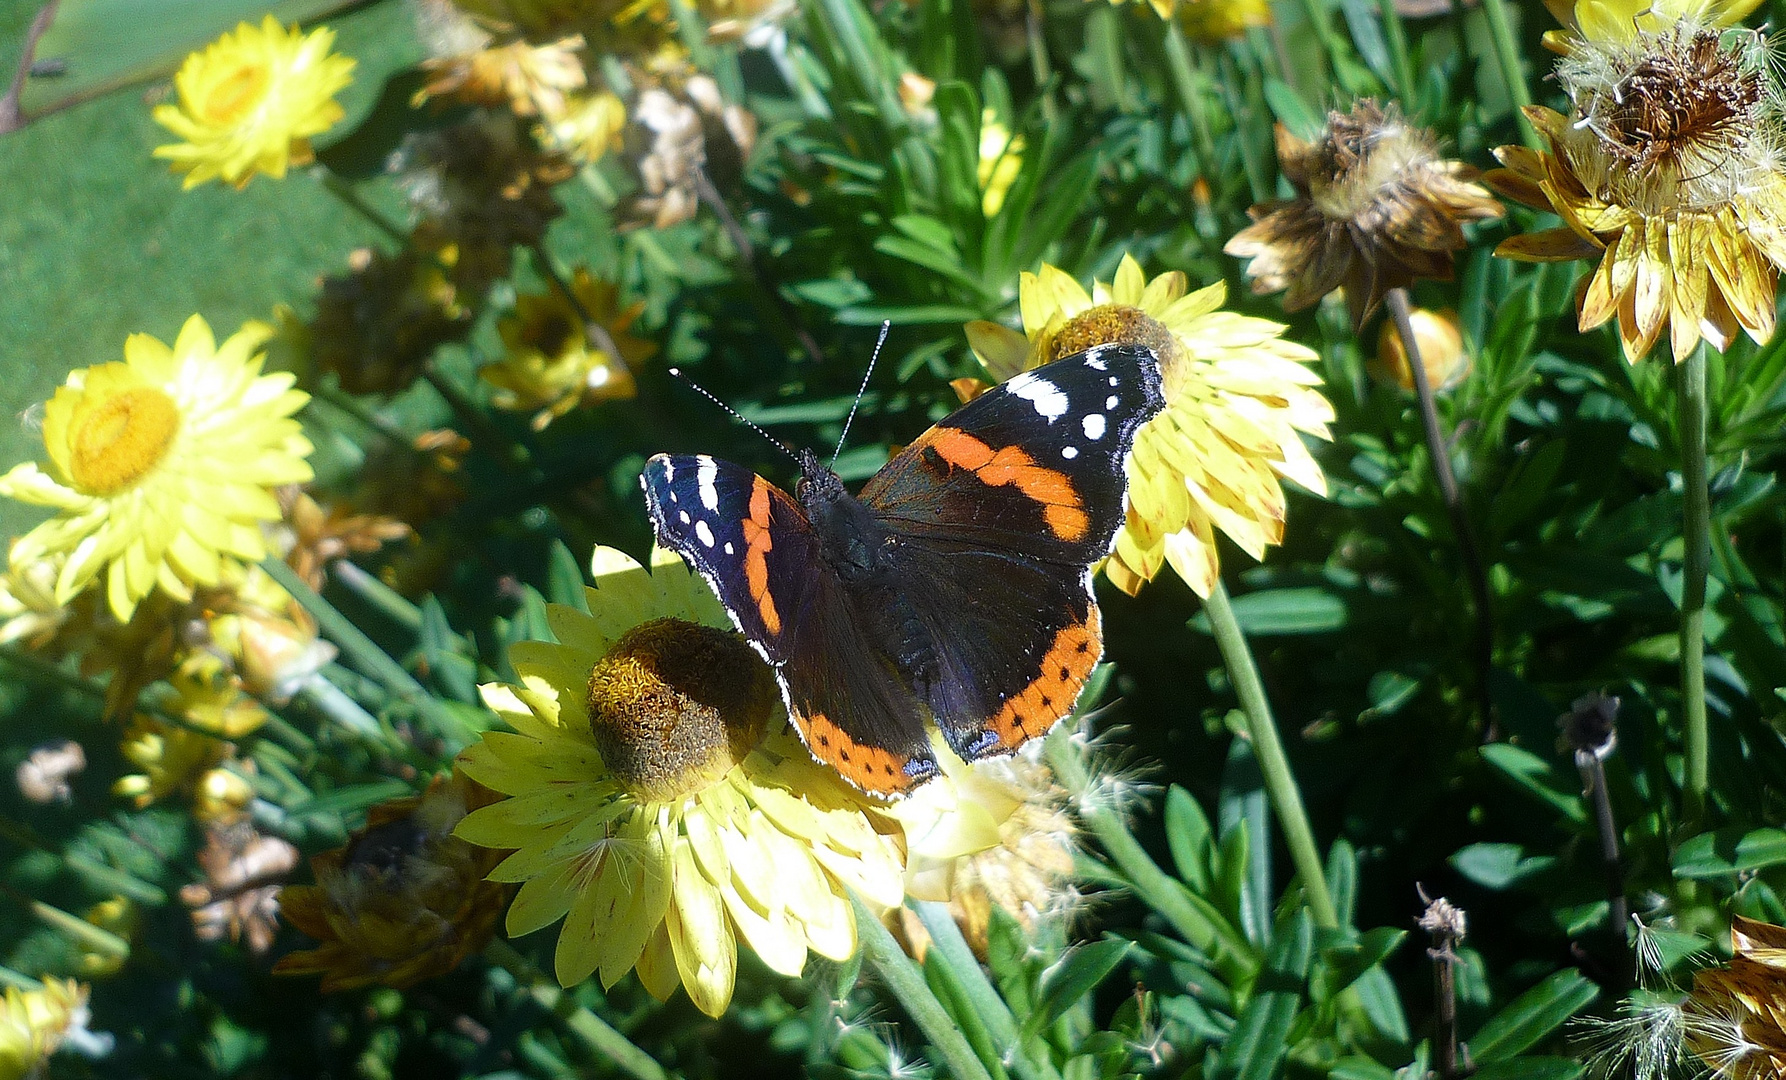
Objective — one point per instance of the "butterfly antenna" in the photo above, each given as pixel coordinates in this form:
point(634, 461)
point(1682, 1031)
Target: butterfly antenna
point(860, 390)
point(734, 413)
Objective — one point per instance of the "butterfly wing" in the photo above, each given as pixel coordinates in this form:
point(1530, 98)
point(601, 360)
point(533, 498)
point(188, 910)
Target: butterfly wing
point(999, 511)
point(757, 550)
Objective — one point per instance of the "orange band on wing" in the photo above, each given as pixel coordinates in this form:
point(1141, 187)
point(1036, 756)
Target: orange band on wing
point(876, 771)
point(1061, 506)
point(1068, 663)
point(757, 543)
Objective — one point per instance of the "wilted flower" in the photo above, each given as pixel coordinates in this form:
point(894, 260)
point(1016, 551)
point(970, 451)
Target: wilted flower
point(1237, 395)
point(322, 534)
point(659, 802)
point(630, 29)
point(250, 101)
point(404, 901)
point(162, 467)
point(1376, 208)
point(239, 898)
point(996, 832)
point(35, 1023)
point(377, 324)
point(681, 130)
point(1669, 169)
point(43, 775)
point(551, 365)
point(1440, 339)
point(532, 80)
point(1735, 1016)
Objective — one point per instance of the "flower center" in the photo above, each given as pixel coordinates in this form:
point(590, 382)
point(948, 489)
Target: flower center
point(117, 442)
point(674, 706)
point(1113, 324)
point(1688, 93)
point(231, 97)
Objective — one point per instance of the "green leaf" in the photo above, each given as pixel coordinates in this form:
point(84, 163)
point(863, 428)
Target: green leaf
point(1730, 851)
point(1307, 609)
point(1304, 122)
point(1498, 866)
point(448, 666)
point(1261, 1031)
point(1532, 480)
point(1533, 1015)
point(1531, 1068)
point(564, 578)
point(1077, 974)
point(1343, 965)
point(1188, 837)
point(1550, 783)
point(100, 45)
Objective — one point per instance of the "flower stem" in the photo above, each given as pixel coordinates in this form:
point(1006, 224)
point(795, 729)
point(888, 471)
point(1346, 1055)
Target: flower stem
point(903, 977)
point(607, 1043)
point(1438, 450)
point(350, 198)
point(1184, 80)
point(1696, 564)
point(977, 989)
point(1500, 29)
point(1280, 784)
point(1039, 66)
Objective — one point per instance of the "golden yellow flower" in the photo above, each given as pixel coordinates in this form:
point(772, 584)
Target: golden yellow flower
point(171, 759)
point(533, 80)
point(250, 101)
point(221, 796)
point(590, 126)
point(1623, 21)
point(162, 467)
point(660, 803)
point(551, 366)
point(29, 610)
point(209, 697)
point(404, 901)
point(1668, 170)
point(1735, 1017)
point(34, 1023)
point(1001, 159)
point(1215, 21)
point(1237, 394)
point(1376, 208)
point(1440, 338)
point(119, 917)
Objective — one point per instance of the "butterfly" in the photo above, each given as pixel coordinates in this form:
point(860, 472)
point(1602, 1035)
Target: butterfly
point(955, 587)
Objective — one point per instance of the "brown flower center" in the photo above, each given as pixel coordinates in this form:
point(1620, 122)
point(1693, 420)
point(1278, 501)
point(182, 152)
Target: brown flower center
point(674, 705)
point(1686, 96)
point(1113, 324)
point(233, 96)
point(117, 442)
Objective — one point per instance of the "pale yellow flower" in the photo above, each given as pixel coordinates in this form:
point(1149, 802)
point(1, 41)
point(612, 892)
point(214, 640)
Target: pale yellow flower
point(1001, 159)
point(1237, 396)
point(551, 366)
point(660, 803)
point(250, 101)
point(34, 1023)
point(162, 467)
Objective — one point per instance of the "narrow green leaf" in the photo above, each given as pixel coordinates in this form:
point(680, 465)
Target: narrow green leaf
point(1301, 610)
point(1730, 851)
point(1187, 834)
point(1532, 1016)
point(1261, 1032)
point(1304, 122)
point(1549, 782)
point(1077, 974)
point(564, 578)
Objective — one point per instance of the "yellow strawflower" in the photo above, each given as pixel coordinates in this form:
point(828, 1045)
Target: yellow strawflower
point(1001, 159)
point(250, 101)
point(162, 467)
point(1237, 394)
point(33, 1024)
point(659, 802)
point(551, 366)
point(1670, 169)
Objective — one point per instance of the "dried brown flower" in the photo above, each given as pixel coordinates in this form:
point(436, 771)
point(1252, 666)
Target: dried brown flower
point(1376, 208)
point(321, 534)
point(43, 776)
point(239, 898)
point(680, 131)
point(378, 324)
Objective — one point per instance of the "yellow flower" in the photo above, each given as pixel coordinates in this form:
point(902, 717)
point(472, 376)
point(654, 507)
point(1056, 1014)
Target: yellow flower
point(660, 804)
point(552, 366)
point(1668, 169)
point(162, 467)
point(588, 127)
point(29, 610)
point(1440, 338)
point(1376, 208)
point(1001, 159)
point(1236, 393)
point(172, 759)
point(1623, 21)
point(404, 901)
point(209, 696)
point(1215, 21)
point(250, 101)
point(33, 1024)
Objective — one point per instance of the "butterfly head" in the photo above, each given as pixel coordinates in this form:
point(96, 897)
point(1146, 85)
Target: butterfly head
point(818, 485)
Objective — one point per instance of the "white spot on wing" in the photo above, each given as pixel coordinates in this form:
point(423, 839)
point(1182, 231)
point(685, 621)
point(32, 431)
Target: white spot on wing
point(1093, 425)
point(705, 475)
point(1110, 402)
point(1050, 403)
point(1069, 452)
point(703, 533)
point(683, 514)
point(729, 550)
point(1112, 380)
point(669, 470)
point(1095, 359)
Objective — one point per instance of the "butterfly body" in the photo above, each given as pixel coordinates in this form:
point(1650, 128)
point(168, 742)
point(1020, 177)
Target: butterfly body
point(954, 588)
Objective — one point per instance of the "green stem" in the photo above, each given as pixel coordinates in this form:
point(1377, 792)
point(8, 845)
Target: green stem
point(1396, 37)
point(1185, 81)
point(344, 191)
point(1696, 538)
point(978, 991)
point(1507, 56)
point(1280, 784)
point(387, 601)
point(608, 1043)
point(1039, 66)
point(906, 981)
point(1316, 11)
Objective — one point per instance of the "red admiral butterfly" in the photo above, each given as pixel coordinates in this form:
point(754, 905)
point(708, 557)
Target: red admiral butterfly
point(958, 584)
